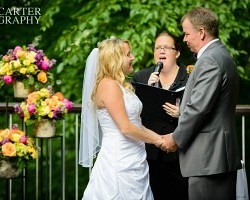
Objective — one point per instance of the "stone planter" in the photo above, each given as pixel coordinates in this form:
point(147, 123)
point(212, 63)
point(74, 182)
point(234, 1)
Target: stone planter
point(45, 128)
point(19, 90)
point(9, 169)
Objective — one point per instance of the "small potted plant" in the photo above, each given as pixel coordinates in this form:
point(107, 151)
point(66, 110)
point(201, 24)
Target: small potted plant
point(15, 150)
point(27, 69)
point(42, 108)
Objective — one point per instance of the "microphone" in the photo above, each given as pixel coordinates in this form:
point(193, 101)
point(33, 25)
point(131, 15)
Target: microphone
point(158, 68)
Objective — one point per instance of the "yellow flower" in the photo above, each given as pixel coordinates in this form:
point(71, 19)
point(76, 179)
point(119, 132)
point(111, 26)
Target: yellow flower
point(20, 53)
point(31, 69)
point(16, 63)
point(15, 137)
point(23, 70)
point(51, 114)
point(6, 70)
point(43, 110)
point(9, 149)
point(44, 93)
point(26, 62)
point(26, 115)
point(31, 56)
point(32, 152)
point(42, 77)
point(21, 149)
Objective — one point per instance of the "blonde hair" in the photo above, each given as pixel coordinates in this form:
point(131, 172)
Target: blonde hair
point(111, 63)
point(203, 17)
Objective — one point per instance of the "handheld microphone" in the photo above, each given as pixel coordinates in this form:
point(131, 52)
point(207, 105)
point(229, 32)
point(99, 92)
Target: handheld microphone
point(158, 68)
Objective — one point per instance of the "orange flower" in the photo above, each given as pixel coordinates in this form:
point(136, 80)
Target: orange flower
point(189, 68)
point(42, 77)
point(17, 131)
point(59, 95)
point(32, 97)
point(9, 149)
point(53, 103)
point(5, 133)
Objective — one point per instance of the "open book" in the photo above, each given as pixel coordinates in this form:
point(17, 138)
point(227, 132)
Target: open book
point(153, 98)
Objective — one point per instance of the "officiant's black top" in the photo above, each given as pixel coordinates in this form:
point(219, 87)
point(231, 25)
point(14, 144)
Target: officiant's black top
point(161, 126)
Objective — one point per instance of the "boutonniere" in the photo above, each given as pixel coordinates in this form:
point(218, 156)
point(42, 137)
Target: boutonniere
point(189, 68)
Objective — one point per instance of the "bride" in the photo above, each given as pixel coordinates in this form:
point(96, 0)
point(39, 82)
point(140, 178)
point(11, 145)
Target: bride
point(111, 126)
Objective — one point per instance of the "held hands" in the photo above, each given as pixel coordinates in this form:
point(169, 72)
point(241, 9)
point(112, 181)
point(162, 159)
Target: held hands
point(168, 144)
point(171, 109)
point(153, 78)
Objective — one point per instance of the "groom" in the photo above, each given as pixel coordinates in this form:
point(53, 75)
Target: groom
point(206, 133)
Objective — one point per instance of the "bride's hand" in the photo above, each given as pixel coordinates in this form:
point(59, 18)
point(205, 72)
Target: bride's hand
point(160, 141)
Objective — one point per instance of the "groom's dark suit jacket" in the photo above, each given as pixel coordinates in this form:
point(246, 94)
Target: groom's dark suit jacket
point(161, 126)
point(206, 133)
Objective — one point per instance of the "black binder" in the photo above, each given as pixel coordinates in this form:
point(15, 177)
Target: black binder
point(153, 98)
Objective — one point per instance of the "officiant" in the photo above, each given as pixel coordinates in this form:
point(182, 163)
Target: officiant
point(165, 177)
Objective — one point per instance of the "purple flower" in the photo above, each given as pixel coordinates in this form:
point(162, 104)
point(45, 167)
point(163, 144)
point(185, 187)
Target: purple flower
point(31, 47)
point(8, 79)
point(39, 56)
point(17, 108)
point(32, 108)
point(5, 140)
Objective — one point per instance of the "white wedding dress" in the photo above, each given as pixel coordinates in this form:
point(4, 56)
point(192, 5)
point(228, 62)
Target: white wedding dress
point(121, 170)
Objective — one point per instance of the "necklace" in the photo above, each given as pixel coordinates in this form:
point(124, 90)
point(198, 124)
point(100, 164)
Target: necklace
point(168, 79)
point(166, 87)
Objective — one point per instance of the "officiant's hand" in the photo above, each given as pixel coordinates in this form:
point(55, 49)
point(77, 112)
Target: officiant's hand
point(169, 144)
point(154, 78)
point(171, 109)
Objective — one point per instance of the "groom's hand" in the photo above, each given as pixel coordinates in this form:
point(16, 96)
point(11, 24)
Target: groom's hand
point(169, 144)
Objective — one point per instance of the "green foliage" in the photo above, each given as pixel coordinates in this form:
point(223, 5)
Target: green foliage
point(137, 21)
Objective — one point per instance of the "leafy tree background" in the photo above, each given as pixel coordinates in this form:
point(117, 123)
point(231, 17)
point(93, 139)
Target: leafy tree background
point(69, 29)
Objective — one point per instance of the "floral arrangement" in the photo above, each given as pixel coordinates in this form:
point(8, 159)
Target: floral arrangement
point(43, 104)
point(26, 64)
point(16, 146)
point(189, 68)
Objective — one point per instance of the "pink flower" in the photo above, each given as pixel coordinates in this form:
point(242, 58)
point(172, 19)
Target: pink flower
point(68, 104)
point(8, 79)
point(32, 108)
point(23, 139)
point(6, 58)
point(45, 65)
point(17, 48)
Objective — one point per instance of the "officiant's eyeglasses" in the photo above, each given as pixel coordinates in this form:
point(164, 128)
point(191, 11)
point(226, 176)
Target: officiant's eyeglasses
point(164, 48)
